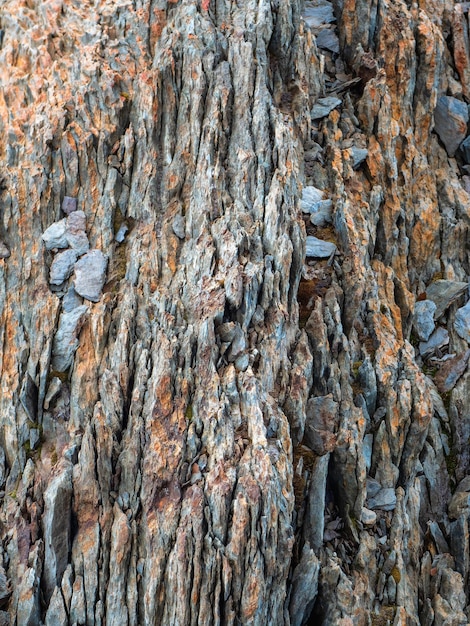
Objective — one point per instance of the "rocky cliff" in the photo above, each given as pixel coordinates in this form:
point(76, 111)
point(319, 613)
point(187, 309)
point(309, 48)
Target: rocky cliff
point(234, 318)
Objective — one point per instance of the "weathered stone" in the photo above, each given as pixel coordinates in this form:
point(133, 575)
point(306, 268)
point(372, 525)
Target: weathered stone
point(443, 293)
point(54, 236)
point(317, 13)
point(311, 196)
point(121, 233)
point(318, 248)
point(69, 205)
point(90, 275)
point(465, 148)
point(304, 587)
point(384, 500)
point(57, 529)
point(321, 424)
point(423, 319)
point(66, 338)
point(438, 340)
point(368, 517)
point(322, 213)
point(76, 222)
point(62, 266)
point(359, 155)
point(4, 251)
point(327, 39)
point(462, 322)
point(71, 300)
point(324, 106)
point(450, 122)
point(179, 227)
point(451, 371)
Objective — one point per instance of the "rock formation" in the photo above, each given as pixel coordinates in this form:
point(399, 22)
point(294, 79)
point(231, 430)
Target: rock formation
point(234, 320)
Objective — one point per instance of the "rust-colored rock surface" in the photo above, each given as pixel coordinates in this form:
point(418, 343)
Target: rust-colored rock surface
point(199, 422)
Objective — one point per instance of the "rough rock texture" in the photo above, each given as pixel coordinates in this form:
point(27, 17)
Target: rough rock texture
point(229, 431)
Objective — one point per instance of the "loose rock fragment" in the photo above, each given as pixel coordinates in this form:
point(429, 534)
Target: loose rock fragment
point(443, 293)
point(423, 321)
point(54, 236)
point(462, 322)
point(324, 106)
point(179, 227)
point(310, 197)
point(75, 232)
point(438, 340)
point(451, 371)
point(69, 205)
point(4, 251)
point(450, 120)
point(368, 517)
point(62, 266)
point(318, 248)
point(65, 340)
point(318, 13)
point(322, 214)
point(327, 39)
point(90, 275)
point(359, 155)
point(385, 500)
point(121, 233)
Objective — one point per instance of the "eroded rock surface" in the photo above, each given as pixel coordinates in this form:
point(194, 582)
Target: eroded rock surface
point(259, 415)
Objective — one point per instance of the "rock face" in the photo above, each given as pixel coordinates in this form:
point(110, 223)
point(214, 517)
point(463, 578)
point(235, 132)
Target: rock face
point(221, 400)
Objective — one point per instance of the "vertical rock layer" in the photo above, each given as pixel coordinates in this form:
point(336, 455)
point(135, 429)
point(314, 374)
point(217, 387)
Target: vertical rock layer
point(199, 425)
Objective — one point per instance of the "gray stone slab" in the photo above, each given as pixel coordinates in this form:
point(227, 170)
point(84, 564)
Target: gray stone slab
point(450, 122)
point(324, 106)
point(62, 266)
point(318, 248)
point(443, 293)
point(90, 275)
point(462, 322)
point(54, 236)
point(423, 319)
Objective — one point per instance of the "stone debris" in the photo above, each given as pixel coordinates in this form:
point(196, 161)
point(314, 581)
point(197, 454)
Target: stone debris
point(322, 214)
point(436, 342)
point(311, 196)
point(450, 122)
point(462, 322)
point(71, 299)
point(75, 232)
point(90, 275)
point(65, 341)
point(318, 12)
point(465, 149)
point(448, 375)
point(69, 205)
point(327, 39)
point(384, 500)
point(423, 319)
point(324, 106)
point(121, 233)
point(318, 248)
point(62, 266)
point(368, 517)
point(359, 155)
point(179, 227)
point(4, 251)
point(54, 236)
point(443, 293)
